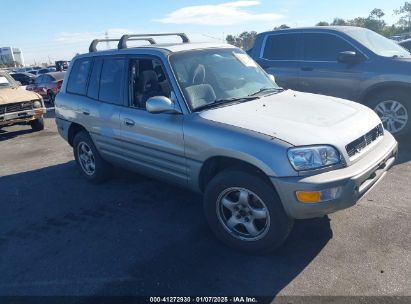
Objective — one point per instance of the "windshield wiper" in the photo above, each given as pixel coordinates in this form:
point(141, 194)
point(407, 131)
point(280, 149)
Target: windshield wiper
point(226, 101)
point(263, 90)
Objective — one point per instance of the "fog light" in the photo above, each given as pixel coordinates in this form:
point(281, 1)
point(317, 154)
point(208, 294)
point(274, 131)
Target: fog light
point(318, 196)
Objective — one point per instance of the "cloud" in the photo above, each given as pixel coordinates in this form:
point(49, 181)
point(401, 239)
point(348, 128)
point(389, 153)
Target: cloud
point(228, 13)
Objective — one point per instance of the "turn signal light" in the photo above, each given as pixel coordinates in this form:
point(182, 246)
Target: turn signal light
point(308, 196)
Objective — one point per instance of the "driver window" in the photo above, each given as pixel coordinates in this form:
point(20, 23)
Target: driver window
point(147, 79)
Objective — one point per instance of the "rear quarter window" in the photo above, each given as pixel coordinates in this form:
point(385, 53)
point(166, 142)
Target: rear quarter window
point(77, 82)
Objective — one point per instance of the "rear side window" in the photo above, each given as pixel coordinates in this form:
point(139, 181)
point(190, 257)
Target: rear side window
point(94, 83)
point(281, 47)
point(324, 47)
point(77, 82)
point(111, 81)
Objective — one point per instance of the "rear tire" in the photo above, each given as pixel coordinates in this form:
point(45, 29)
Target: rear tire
point(394, 109)
point(93, 167)
point(37, 124)
point(245, 212)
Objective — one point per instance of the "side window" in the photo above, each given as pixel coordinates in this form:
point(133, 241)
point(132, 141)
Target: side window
point(111, 81)
point(324, 47)
point(77, 82)
point(147, 79)
point(94, 82)
point(281, 47)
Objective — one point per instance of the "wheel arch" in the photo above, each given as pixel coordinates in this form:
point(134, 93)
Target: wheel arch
point(73, 130)
point(381, 87)
point(216, 164)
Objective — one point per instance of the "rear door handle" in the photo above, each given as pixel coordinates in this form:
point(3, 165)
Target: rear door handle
point(129, 122)
point(307, 68)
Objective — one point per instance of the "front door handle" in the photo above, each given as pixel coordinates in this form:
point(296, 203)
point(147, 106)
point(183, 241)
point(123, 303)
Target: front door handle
point(307, 68)
point(85, 111)
point(129, 122)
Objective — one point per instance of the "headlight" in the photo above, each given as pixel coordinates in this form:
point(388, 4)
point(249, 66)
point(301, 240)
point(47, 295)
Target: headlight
point(37, 104)
point(313, 157)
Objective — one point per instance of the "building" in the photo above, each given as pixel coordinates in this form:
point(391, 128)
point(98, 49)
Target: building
point(9, 55)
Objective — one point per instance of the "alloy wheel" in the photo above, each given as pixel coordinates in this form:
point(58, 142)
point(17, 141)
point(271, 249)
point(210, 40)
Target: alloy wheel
point(86, 158)
point(393, 114)
point(243, 214)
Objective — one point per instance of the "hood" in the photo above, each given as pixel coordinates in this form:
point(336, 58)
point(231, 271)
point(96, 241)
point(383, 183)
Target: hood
point(300, 118)
point(16, 94)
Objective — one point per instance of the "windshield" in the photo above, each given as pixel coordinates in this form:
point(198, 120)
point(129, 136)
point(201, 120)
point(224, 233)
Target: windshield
point(218, 76)
point(5, 82)
point(378, 44)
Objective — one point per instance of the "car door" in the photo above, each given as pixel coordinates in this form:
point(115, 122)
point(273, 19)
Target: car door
point(153, 143)
point(99, 86)
point(279, 57)
point(322, 73)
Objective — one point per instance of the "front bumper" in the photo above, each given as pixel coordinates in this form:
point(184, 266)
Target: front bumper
point(355, 180)
point(21, 116)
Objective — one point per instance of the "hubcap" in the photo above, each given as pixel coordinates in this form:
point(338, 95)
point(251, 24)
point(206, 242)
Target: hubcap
point(243, 214)
point(393, 115)
point(86, 158)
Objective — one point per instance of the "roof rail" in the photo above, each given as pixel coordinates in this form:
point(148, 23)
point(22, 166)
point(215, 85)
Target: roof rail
point(93, 45)
point(122, 44)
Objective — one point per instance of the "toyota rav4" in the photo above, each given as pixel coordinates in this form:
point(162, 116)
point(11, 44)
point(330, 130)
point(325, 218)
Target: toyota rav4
point(208, 118)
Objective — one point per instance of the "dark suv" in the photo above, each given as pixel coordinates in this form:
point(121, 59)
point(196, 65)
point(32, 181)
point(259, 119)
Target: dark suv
point(347, 62)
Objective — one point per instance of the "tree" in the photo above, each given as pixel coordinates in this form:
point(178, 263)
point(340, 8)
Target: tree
point(245, 40)
point(322, 23)
point(405, 13)
point(281, 27)
point(339, 21)
point(377, 13)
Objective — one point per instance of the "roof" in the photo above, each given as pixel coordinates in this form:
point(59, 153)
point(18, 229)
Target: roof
point(337, 28)
point(162, 47)
point(56, 75)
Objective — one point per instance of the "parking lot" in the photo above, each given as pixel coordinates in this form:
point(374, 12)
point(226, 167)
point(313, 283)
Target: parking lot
point(137, 236)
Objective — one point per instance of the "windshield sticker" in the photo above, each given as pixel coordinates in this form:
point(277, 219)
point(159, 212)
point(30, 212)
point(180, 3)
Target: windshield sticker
point(245, 59)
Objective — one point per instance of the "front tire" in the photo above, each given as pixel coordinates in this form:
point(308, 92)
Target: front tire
point(37, 124)
point(93, 167)
point(245, 212)
point(394, 109)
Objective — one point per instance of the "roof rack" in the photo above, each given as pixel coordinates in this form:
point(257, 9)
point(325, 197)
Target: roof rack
point(122, 44)
point(93, 45)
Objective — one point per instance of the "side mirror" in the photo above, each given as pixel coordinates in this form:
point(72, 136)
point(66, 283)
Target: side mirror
point(349, 57)
point(161, 104)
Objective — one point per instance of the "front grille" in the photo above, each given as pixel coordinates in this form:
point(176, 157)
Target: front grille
point(356, 146)
point(16, 107)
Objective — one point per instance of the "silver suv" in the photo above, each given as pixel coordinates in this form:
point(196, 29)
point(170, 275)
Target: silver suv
point(342, 61)
point(208, 118)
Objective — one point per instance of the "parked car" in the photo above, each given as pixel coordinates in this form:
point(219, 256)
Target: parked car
point(19, 106)
point(33, 72)
point(347, 62)
point(47, 85)
point(208, 118)
point(44, 71)
point(62, 65)
point(23, 77)
point(406, 44)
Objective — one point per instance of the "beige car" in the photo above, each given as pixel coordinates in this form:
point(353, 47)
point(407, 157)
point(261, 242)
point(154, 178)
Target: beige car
point(19, 106)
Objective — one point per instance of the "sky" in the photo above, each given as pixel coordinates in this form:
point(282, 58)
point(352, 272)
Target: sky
point(49, 30)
